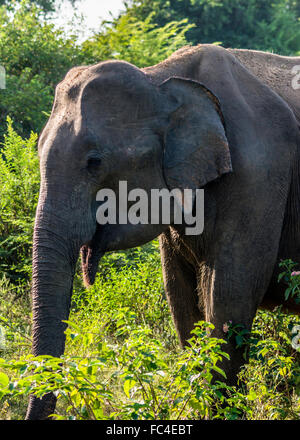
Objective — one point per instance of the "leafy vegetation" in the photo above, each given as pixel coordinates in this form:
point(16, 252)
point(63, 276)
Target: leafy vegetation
point(19, 187)
point(122, 358)
point(139, 42)
point(123, 361)
point(36, 57)
point(247, 24)
point(45, 5)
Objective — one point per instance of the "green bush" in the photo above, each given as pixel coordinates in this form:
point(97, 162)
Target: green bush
point(19, 188)
point(45, 5)
point(122, 359)
point(36, 56)
point(272, 26)
point(132, 280)
point(272, 376)
point(141, 43)
point(131, 377)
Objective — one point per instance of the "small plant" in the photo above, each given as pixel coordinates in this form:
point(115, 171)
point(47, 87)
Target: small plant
point(292, 278)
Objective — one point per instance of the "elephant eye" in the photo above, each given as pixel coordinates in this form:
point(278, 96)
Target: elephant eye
point(93, 163)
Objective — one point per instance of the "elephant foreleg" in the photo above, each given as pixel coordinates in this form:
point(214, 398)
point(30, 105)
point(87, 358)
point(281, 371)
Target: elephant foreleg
point(180, 284)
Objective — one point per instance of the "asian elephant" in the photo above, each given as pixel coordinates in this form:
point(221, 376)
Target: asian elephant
point(223, 120)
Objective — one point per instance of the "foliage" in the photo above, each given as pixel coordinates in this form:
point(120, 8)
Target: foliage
point(19, 187)
point(292, 278)
point(122, 359)
point(45, 5)
point(255, 24)
point(152, 384)
point(273, 373)
point(139, 42)
point(36, 56)
point(15, 321)
point(123, 277)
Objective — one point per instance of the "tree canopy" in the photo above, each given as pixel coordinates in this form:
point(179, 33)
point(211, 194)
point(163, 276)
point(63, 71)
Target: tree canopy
point(36, 56)
point(139, 42)
point(44, 5)
point(249, 24)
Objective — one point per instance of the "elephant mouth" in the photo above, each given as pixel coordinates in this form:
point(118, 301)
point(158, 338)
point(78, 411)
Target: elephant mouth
point(91, 254)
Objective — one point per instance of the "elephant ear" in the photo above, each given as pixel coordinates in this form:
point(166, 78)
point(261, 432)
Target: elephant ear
point(196, 147)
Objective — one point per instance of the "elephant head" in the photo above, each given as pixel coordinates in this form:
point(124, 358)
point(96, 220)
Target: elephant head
point(110, 123)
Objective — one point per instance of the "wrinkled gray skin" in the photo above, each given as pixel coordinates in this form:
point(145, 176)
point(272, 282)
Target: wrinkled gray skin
point(229, 123)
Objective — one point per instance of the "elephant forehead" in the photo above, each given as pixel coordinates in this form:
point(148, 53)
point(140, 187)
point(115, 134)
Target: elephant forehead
point(107, 100)
point(64, 123)
point(110, 91)
point(115, 92)
point(107, 75)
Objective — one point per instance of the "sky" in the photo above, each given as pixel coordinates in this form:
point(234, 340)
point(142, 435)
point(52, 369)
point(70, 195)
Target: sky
point(94, 12)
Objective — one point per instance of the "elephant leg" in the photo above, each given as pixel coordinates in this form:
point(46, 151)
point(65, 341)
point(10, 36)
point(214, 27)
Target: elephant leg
point(180, 284)
point(233, 291)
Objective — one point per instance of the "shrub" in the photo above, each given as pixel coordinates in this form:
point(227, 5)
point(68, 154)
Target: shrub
point(129, 378)
point(19, 188)
point(36, 56)
point(139, 42)
point(122, 359)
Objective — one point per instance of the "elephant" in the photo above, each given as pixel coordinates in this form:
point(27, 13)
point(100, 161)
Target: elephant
point(222, 120)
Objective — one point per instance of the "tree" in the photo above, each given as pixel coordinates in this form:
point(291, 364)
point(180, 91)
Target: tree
point(253, 24)
point(36, 57)
point(44, 5)
point(139, 42)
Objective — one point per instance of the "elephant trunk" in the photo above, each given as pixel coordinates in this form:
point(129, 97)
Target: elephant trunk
point(54, 261)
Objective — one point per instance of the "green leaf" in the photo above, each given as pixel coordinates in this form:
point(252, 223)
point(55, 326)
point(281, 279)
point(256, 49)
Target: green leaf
point(128, 385)
point(252, 395)
point(218, 370)
point(4, 380)
point(239, 340)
